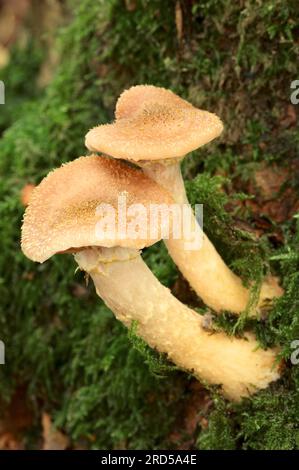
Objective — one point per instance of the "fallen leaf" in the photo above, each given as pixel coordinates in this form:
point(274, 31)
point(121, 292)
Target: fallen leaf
point(131, 5)
point(53, 438)
point(290, 117)
point(193, 415)
point(15, 420)
point(9, 442)
point(269, 180)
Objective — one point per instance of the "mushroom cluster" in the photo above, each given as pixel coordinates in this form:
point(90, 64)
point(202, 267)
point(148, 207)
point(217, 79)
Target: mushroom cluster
point(64, 212)
point(155, 129)
point(61, 217)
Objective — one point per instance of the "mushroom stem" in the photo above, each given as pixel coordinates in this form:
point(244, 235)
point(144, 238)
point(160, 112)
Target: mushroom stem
point(132, 292)
point(168, 175)
point(204, 268)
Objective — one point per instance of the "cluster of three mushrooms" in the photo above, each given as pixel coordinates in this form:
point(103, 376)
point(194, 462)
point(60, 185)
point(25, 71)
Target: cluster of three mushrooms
point(155, 128)
point(62, 216)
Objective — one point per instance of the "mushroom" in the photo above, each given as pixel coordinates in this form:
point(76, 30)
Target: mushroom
point(62, 216)
point(155, 129)
point(26, 193)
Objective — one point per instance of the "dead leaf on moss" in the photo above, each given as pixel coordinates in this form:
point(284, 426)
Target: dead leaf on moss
point(289, 118)
point(193, 415)
point(131, 5)
point(16, 419)
point(283, 208)
point(9, 442)
point(53, 438)
point(275, 199)
point(270, 179)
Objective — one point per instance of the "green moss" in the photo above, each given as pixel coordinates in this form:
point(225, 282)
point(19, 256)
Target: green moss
point(156, 362)
point(20, 79)
point(220, 434)
point(268, 421)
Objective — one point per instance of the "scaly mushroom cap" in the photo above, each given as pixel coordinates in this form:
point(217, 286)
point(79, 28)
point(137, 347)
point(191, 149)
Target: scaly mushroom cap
point(63, 212)
point(153, 124)
point(137, 97)
point(26, 193)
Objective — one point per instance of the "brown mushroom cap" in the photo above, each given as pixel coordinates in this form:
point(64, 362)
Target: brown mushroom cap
point(62, 211)
point(153, 124)
point(137, 97)
point(26, 193)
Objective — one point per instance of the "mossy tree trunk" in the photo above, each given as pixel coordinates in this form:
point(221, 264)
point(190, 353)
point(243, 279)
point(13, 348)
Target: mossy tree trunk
point(62, 344)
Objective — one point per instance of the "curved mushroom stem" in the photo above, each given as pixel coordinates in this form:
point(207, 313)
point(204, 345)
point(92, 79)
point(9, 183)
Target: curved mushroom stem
point(132, 292)
point(204, 268)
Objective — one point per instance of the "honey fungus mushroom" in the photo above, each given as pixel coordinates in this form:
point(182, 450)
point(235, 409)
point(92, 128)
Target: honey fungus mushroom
point(61, 217)
point(155, 129)
point(26, 193)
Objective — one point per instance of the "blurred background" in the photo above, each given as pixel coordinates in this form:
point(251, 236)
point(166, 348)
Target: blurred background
point(73, 377)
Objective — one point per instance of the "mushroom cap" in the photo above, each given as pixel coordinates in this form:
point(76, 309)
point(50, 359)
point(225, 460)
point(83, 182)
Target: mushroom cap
point(26, 193)
point(153, 123)
point(62, 213)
